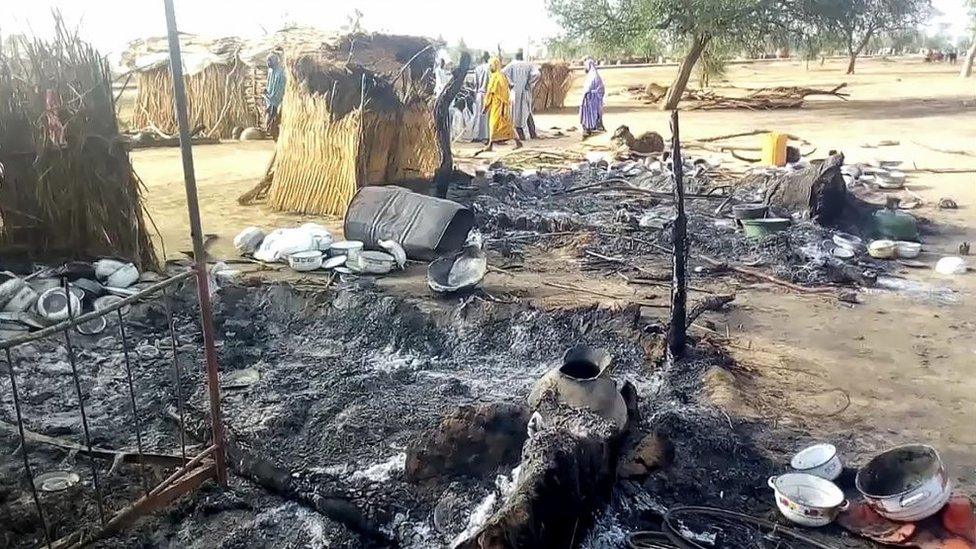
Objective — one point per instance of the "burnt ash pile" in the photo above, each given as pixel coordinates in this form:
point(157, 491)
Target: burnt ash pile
point(629, 213)
point(345, 384)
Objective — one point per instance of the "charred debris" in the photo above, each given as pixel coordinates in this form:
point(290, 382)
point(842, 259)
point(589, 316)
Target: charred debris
point(356, 417)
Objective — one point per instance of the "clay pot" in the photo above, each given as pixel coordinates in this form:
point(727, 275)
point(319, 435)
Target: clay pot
point(583, 381)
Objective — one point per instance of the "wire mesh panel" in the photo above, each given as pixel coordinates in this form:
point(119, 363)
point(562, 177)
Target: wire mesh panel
point(97, 408)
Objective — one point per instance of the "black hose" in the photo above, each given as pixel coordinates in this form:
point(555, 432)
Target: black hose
point(674, 534)
point(649, 540)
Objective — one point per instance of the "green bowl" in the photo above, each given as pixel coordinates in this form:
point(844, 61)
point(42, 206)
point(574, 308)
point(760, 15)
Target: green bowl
point(759, 228)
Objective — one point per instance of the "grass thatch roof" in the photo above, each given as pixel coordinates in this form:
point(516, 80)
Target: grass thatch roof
point(67, 188)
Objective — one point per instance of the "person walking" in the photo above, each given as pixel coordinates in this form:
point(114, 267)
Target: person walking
point(591, 109)
point(480, 123)
point(523, 76)
point(274, 93)
point(498, 107)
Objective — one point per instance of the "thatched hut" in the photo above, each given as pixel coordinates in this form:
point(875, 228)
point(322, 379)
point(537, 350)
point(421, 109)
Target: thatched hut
point(550, 93)
point(67, 188)
point(357, 111)
point(220, 87)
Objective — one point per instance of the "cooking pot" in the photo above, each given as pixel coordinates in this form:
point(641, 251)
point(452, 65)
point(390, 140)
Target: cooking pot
point(749, 211)
point(759, 228)
point(906, 484)
point(907, 250)
point(54, 303)
point(807, 500)
point(583, 381)
point(305, 261)
point(371, 262)
point(820, 460)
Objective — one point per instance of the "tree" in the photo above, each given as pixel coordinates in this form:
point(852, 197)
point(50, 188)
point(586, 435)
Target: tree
point(901, 41)
point(690, 23)
point(856, 22)
point(967, 65)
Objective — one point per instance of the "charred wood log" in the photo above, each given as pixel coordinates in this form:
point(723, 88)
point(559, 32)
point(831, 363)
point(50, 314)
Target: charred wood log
point(677, 327)
point(816, 192)
point(332, 503)
point(710, 303)
point(568, 470)
point(442, 123)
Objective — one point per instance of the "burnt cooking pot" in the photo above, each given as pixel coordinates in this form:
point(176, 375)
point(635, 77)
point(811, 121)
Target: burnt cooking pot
point(906, 484)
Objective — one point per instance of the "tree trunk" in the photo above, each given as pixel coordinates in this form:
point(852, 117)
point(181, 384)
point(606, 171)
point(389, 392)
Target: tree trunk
point(967, 66)
point(860, 47)
point(677, 88)
point(442, 123)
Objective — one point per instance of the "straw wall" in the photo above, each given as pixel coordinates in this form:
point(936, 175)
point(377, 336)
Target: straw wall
point(343, 128)
point(217, 99)
point(417, 155)
point(550, 92)
point(67, 188)
point(316, 158)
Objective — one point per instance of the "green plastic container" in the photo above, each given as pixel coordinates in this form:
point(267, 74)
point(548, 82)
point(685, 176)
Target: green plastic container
point(895, 225)
point(759, 228)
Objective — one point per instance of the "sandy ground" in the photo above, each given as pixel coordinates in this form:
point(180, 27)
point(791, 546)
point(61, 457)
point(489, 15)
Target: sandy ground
point(904, 358)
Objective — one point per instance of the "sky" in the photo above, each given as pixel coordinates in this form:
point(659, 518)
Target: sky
point(110, 24)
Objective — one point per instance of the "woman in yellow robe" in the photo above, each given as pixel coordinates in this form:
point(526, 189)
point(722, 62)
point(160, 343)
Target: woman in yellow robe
point(498, 107)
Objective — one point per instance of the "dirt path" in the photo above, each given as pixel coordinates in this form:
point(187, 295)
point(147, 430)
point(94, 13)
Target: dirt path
point(904, 358)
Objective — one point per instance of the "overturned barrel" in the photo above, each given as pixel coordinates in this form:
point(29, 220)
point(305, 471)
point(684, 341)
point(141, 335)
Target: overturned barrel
point(425, 226)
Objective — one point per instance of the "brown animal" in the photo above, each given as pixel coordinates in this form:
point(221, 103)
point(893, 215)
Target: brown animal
point(647, 143)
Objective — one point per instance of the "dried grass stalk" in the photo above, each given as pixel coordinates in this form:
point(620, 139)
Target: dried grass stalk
point(342, 128)
point(67, 187)
point(218, 98)
point(550, 93)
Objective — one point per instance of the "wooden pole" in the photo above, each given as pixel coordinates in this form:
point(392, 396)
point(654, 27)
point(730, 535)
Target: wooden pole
point(442, 122)
point(677, 330)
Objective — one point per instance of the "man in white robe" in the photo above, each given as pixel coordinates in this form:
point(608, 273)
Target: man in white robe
point(523, 76)
point(442, 75)
point(480, 121)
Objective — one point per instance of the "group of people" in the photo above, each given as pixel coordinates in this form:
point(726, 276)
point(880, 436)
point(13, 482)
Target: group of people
point(501, 109)
point(502, 106)
point(938, 56)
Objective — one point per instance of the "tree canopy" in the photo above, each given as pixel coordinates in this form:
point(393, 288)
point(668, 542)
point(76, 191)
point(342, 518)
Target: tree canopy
point(856, 22)
point(687, 25)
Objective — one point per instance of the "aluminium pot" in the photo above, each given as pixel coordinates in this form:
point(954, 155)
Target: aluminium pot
point(905, 484)
point(305, 261)
point(371, 262)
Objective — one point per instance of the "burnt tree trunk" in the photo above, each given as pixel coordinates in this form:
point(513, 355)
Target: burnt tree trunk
point(677, 88)
point(442, 122)
point(677, 330)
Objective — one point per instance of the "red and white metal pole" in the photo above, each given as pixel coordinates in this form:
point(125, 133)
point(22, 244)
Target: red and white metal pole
point(199, 255)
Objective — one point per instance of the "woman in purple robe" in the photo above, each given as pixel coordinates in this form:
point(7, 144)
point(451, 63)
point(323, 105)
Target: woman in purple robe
point(591, 110)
